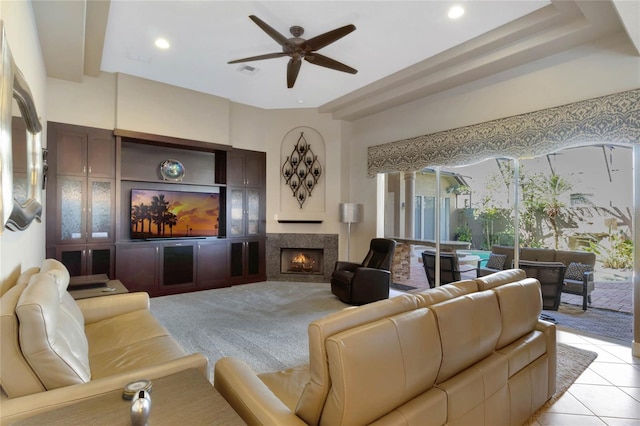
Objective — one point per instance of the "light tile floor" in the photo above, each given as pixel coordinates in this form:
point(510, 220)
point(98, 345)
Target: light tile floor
point(607, 393)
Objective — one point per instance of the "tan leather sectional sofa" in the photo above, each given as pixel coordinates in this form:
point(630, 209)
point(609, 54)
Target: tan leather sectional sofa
point(467, 353)
point(57, 351)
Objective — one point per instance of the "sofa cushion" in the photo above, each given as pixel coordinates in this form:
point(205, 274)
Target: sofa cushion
point(313, 396)
point(583, 257)
point(52, 340)
point(499, 278)
point(18, 379)
point(445, 292)
point(505, 250)
point(380, 366)
point(520, 307)
point(106, 335)
point(469, 329)
point(496, 261)
point(146, 353)
point(575, 271)
point(538, 254)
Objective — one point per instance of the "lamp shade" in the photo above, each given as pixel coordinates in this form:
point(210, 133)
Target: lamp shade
point(350, 212)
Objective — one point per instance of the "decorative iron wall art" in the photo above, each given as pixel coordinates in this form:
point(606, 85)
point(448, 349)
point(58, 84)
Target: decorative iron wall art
point(301, 170)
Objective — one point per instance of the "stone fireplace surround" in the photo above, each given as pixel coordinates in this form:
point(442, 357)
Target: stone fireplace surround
point(327, 242)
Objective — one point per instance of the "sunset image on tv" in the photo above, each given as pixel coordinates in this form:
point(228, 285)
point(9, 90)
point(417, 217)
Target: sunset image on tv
point(173, 214)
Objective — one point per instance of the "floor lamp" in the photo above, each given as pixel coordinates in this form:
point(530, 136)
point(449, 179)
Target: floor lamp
point(350, 213)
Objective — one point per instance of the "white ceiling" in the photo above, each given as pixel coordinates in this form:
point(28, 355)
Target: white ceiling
point(401, 49)
point(205, 35)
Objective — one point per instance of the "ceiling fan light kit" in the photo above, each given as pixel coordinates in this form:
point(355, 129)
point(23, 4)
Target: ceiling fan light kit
point(297, 49)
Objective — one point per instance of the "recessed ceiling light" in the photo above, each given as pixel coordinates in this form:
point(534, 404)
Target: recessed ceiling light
point(162, 43)
point(455, 12)
point(300, 101)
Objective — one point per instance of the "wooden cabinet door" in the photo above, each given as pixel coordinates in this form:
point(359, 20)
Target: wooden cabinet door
point(235, 168)
point(254, 169)
point(101, 154)
point(71, 152)
point(212, 265)
point(137, 267)
point(86, 259)
point(247, 261)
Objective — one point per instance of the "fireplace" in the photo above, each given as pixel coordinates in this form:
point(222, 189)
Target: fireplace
point(301, 261)
point(320, 255)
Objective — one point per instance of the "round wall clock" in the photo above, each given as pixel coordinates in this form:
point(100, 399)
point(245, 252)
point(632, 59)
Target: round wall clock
point(172, 170)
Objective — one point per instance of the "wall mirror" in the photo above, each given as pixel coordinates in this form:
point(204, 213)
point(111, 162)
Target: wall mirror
point(19, 212)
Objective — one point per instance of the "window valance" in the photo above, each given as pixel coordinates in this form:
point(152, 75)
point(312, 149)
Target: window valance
point(611, 119)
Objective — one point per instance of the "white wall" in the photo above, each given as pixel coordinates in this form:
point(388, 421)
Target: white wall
point(263, 130)
point(22, 250)
point(162, 109)
point(600, 68)
point(91, 103)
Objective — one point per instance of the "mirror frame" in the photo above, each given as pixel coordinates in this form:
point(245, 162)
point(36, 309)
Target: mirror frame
point(18, 216)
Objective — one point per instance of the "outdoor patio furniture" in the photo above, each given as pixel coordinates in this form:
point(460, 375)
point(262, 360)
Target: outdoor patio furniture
point(578, 279)
point(551, 277)
point(450, 268)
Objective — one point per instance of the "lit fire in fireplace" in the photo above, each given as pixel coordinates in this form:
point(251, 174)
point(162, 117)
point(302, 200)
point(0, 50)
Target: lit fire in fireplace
point(302, 262)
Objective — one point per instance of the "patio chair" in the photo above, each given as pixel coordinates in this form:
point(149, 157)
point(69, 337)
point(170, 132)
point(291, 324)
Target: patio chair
point(450, 269)
point(551, 277)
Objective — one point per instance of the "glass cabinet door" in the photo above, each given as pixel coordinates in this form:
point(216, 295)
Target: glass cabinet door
point(237, 212)
point(101, 209)
point(71, 208)
point(253, 211)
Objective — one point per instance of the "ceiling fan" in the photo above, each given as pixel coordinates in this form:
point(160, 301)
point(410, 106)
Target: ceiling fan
point(298, 49)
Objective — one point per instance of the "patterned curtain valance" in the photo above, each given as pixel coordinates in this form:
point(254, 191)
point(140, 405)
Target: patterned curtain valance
point(611, 119)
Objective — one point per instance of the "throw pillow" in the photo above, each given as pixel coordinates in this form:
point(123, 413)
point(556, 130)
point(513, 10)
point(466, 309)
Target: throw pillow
point(575, 271)
point(496, 261)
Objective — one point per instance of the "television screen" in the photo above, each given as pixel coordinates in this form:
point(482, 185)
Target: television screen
point(174, 214)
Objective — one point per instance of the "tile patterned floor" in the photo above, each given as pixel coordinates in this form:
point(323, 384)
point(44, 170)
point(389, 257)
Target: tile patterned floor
point(607, 393)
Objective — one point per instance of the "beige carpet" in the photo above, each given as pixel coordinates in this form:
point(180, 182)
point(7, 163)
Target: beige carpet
point(265, 325)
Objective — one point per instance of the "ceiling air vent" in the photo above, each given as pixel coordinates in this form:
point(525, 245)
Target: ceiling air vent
point(248, 69)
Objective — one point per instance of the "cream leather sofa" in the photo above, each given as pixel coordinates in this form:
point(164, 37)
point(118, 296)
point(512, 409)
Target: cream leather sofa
point(56, 351)
point(467, 353)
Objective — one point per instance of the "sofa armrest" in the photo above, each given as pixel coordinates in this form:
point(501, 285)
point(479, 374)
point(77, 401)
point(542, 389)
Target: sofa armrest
point(99, 308)
point(249, 396)
point(26, 406)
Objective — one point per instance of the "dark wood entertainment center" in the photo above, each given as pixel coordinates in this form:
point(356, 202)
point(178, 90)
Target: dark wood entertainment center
point(90, 178)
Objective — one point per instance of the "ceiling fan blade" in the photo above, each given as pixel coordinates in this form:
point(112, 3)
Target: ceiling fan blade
point(279, 38)
point(258, 58)
point(293, 68)
point(318, 42)
point(324, 61)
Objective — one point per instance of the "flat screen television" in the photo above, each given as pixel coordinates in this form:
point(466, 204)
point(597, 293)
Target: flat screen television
point(174, 214)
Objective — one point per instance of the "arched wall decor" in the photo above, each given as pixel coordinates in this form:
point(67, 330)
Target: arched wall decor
point(613, 118)
point(302, 170)
point(17, 216)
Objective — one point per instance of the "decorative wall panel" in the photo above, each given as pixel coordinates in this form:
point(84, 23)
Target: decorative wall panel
point(611, 119)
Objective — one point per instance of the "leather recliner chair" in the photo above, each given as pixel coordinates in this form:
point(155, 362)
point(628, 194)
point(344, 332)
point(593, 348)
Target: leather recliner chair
point(366, 282)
